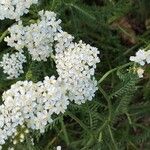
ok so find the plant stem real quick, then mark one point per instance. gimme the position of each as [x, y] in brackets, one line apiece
[79, 122]
[108, 101]
[81, 10]
[53, 140]
[112, 70]
[3, 35]
[64, 131]
[112, 138]
[129, 119]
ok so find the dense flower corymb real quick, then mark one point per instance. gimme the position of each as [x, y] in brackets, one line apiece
[13, 64]
[38, 38]
[13, 9]
[76, 63]
[32, 104]
[142, 57]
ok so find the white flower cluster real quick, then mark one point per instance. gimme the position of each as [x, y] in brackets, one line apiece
[13, 64]
[58, 148]
[13, 9]
[76, 63]
[17, 36]
[32, 104]
[142, 57]
[38, 38]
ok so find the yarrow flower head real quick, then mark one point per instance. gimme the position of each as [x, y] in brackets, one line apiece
[142, 57]
[14, 9]
[13, 64]
[76, 64]
[38, 38]
[32, 104]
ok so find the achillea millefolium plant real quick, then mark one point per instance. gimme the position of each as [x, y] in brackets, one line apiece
[74, 75]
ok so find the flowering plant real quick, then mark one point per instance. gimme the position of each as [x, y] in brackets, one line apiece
[51, 74]
[33, 104]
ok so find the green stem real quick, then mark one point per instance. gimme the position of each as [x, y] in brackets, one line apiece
[147, 47]
[3, 35]
[112, 70]
[81, 10]
[129, 119]
[79, 122]
[103, 126]
[141, 126]
[106, 123]
[53, 140]
[112, 138]
[132, 144]
[108, 101]
[64, 131]
[125, 32]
